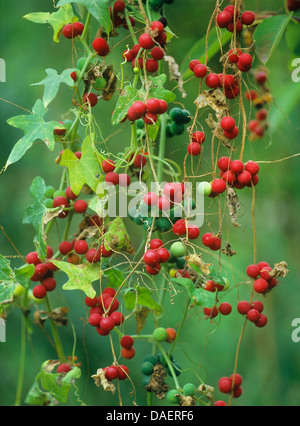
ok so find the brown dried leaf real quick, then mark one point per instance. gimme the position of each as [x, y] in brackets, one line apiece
[228, 251]
[175, 74]
[100, 380]
[141, 314]
[157, 382]
[233, 206]
[216, 100]
[280, 270]
[196, 260]
[186, 401]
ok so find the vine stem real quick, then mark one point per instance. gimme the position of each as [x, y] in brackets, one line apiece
[22, 353]
[181, 326]
[169, 365]
[56, 337]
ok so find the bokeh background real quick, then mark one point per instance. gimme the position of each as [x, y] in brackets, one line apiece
[269, 359]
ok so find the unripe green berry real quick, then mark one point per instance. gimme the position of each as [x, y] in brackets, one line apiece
[160, 334]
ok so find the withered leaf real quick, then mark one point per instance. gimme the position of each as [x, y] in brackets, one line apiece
[175, 74]
[100, 380]
[141, 314]
[280, 270]
[157, 382]
[233, 206]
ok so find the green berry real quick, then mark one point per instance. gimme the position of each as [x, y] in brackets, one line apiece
[50, 190]
[100, 84]
[172, 396]
[186, 116]
[147, 368]
[169, 133]
[164, 224]
[176, 115]
[49, 203]
[146, 380]
[151, 358]
[180, 263]
[81, 62]
[160, 334]
[189, 389]
[59, 193]
[204, 188]
[177, 128]
[178, 249]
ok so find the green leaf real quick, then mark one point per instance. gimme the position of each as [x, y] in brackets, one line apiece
[128, 97]
[198, 296]
[7, 285]
[268, 35]
[158, 91]
[140, 297]
[117, 237]
[34, 215]
[52, 83]
[85, 170]
[23, 275]
[217, 278]
[36, 396]
[292, 38]
[80, 277]
[98, 8]
[34, 128]
[58, 385]
[57, 20]
[198, 51]
[115, 277]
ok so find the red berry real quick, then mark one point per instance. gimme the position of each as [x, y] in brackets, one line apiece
[262, 265]
[119, 6]
[243, 307]
[93, 256]
[163, 106]
[151, 199]
[104, 252]
[118, 318]
[127, 342]
[225, 385]
[156, 244]
[111, 373]
[110, 291]
[193, 64]
[152, 65]
[224, 163]
[94, 320]
[111, 304]
[65, 247]
[248, 18]
[225, 309]
[91, 99]
[224, 19]
[228, 123]
[112, 178]
[245, 178]
[259, 306]
[107, 324]
[238, 27]
[81, 247]
[124, 180]
[39, 292]
[80, 206]
[236, 380]
[40, 272]
[229, 177]
[91, 303]
[157, 27]
[146, 41]
[236, 166]
[245, 60]
[49, 284]
[212, 81]
[253, 271]
[252, 167]
[100, 46]
[231, 134]
[70, 31]
[63, 368]
[198, 137]
[150, 118]
[123, 372]
[151, 258]
[262, 321]
[138, 109]
[193, 232]
[220, 404]
[218, 186]
[200, 71]
[60, 201]
[253, 315]
[153, 270]
[237, 392]
[261, 286]
[157, 53]
[128, 353]
[153, 105]
[194, 149]
[261, 77]
[32, 258]
[211, 312]
[140, 161]
[70, 194]
[164, 255]
[208, 240]
[108, 166]
[179, 228]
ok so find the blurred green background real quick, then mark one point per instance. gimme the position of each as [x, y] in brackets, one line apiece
[269, 360]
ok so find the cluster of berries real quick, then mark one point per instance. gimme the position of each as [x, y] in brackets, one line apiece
[224, 309]
[182, 228]
[115, 372]
[178, 118]
[211, 241]
[71, 31]
[229, 127]
[128, 351]
[264, 282]
[253, 311]
[113, 178]
[243, 61]
[258, 126]
[155, 256]
[117, 15]
[231, 19]
[231, 385]
[104, 314]
[195, 146]
[81, 248]
[148, 111]
[235, 173]
[43, 273]
[63, 199]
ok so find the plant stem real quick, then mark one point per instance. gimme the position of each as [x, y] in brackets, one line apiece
[55, 334]
[181, 326]
[167, 359]
[162, 146]
[22, 352]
